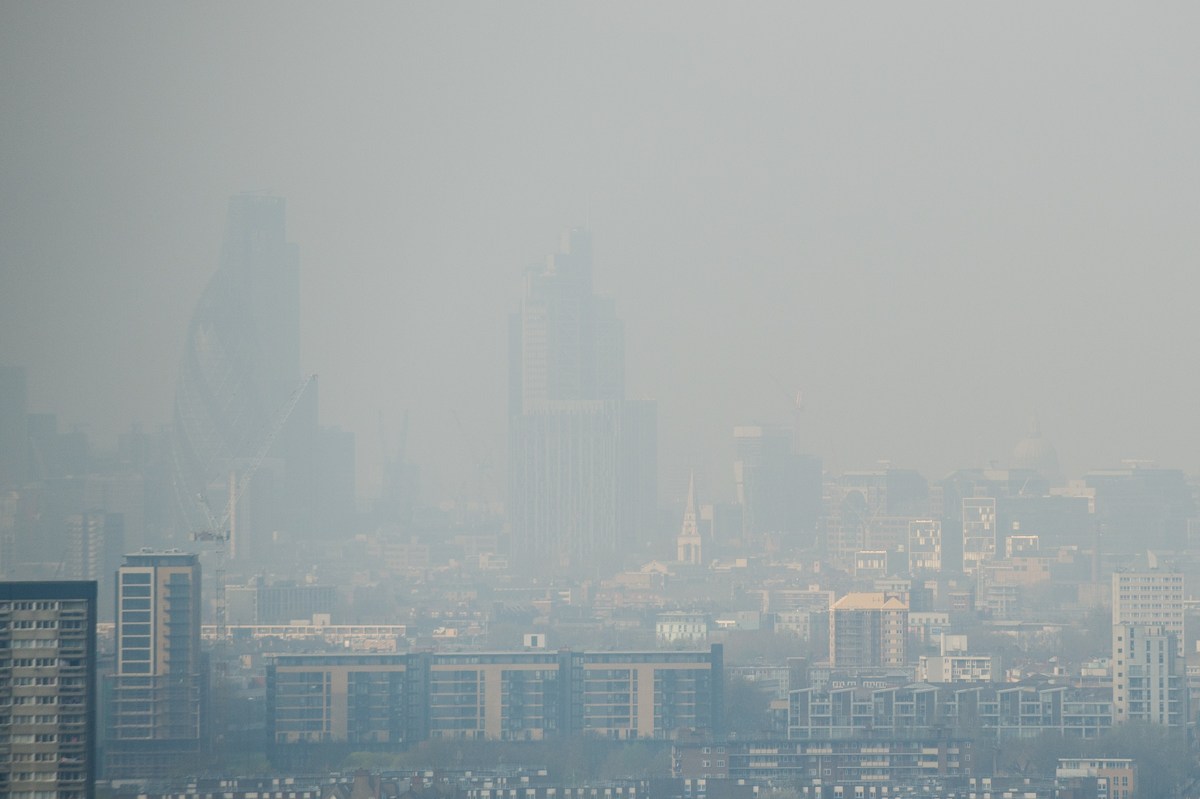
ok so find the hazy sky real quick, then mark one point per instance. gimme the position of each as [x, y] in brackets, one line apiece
[935, 219]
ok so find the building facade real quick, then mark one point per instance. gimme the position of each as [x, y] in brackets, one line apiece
[155, 722]
[924, 546]
[1150, 598]
[958, 668]
[384, 701]
[882, 760]
[1149, 677]
[978, 532]
[1111, 777]
[778, 489]
[95, 543]
[47, 690]
[582, 459]
[868, 629]
[1005, 711]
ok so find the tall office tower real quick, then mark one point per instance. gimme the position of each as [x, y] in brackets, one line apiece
[778, 489]
[1153, 599]
[868, 629]
[95, 541]
[979, 532]
[582, 458]
[1149, 676]
[155, 723]
[47, 690]
[241, 366]
[688, 544]
[14, 427]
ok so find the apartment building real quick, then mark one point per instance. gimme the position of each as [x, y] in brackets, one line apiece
[385, 700]
[881, 760]
[1149, 677]
[1112, 778]
[155, 722]
[1010, 711]
[47, 689]
[868, 629]
[1150, 598]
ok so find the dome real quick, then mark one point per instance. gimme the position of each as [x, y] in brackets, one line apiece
[1035, 452]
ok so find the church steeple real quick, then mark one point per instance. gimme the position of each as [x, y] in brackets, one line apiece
[688, 543]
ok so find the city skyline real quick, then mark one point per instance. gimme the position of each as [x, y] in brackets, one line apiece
[566, 401]
[813, 239]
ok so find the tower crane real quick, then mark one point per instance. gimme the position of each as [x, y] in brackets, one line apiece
[223, 531]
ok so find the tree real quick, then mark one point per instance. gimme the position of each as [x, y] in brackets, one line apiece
[747, 707]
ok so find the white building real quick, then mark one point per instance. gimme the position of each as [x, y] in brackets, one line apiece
[979, 532]
[871, 563]
[955, 665]
[1149, 678]
[924, 545]
[679, 627]
[1115, 777]
[1153, 598]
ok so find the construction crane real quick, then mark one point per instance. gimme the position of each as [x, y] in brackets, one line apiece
[223, 531]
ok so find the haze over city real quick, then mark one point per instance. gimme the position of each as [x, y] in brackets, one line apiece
[934, 222]
[599, 401]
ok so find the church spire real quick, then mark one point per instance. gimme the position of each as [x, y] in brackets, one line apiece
[688, 543]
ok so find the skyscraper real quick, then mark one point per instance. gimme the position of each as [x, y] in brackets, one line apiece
[582, 458]
[155, 723]
[47, 690]
[14, 427]
[241, 364]
[778, 489]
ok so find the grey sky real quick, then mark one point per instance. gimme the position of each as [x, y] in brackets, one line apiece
[935, 219]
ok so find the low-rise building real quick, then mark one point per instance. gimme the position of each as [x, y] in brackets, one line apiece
[958, 668]
[386, 701]
[1007, 711]
[678, 627]
[880, 760]
[1111, 778]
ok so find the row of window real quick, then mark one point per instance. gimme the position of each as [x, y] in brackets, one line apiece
[35, 700]
[30, 643]
[46, 681]
[33, 624]
[30, 757]
[41, 718]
